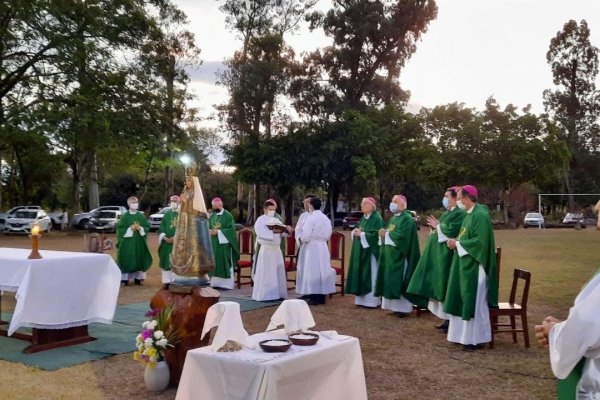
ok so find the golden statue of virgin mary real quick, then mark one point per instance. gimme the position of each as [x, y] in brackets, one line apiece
[192, 251]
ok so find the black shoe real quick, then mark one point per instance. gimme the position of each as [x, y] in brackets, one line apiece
[124, 283]
[165, 286]
[402, 314]
[473, 347]
[138, 282]
[443, 325]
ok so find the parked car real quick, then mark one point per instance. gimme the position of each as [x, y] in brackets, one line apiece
[12, 211]
[534, 219]
[104, 221]
[80, 221]
[351, 220]
[20, 221]
[573, 218]
[156, 219]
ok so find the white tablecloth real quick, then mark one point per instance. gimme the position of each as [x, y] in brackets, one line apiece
[331, 369]
[61, 290]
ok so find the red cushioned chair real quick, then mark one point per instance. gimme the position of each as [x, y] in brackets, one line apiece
[337, 252]
[290, 259]
[246, 243]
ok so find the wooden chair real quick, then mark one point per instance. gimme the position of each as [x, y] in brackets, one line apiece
[498, 260]
[512, 310]
[246, 243]
[337, 253]
[290, 259]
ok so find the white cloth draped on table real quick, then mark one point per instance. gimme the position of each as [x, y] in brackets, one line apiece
[226, 315]
[61, 290]
[314, 274]
[294, 315]
[268, 272]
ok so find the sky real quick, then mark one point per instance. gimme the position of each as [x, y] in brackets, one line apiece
[474, 49]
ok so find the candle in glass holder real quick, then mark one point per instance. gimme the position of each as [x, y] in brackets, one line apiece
[35, 229]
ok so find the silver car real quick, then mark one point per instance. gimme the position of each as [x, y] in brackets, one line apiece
[20, 221]
[534, 219]
[81, 221]
[156, 219]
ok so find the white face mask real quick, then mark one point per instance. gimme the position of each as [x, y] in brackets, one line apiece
[134, 206]
[174, 205]
[460, 204]
[271, 213]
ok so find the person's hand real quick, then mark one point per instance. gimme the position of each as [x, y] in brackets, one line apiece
[357, 232]
[169, 240]
[213, 232]
[289, 229]
[542, 331]
[382, 232]
[432, 222]
[451, 244]
[135, 227]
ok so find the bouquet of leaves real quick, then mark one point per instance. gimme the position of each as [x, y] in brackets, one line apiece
[157, 335]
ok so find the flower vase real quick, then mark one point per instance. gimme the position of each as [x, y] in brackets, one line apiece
[157, 378]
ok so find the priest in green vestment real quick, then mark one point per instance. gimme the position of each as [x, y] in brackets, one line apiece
[133, 256]
[473, 281]
[398, 256]
[166, 234]
[430, 279]
[362, 272]
[224, 244]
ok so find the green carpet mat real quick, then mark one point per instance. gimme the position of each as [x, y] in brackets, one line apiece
[114, 339]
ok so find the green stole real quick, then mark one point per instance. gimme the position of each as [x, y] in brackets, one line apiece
[226, 255]
[392, 280]
[358, 281]
[430, 278]
[168, 226]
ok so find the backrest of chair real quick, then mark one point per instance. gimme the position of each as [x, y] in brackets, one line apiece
[246, 241]
[290, 246]
[526, 277]
[337, 246]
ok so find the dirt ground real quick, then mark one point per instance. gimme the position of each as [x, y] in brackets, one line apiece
[403, 358]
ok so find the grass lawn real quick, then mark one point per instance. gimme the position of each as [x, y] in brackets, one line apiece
[403, 358]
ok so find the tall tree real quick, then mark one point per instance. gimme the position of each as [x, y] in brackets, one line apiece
[575, 103]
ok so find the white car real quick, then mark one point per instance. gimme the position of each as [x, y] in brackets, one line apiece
[20, 221]
[573, 218]
[534, 219]
[156, 219]
[10, 213]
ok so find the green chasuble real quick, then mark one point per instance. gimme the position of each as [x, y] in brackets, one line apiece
[431, 274]
[358, 281]
[477, 238]
[132, 252]
[167, 226]
[392, 279]
[228, 254]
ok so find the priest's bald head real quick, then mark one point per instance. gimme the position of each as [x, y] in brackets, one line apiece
[368, 205]
[400, 201]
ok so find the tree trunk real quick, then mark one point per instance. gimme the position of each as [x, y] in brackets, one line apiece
[239, 199]
[289, 208]
[94, 195]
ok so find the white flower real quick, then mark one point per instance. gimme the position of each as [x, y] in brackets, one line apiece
[152, 324]
[158, 334]
[145, 324]
[139, 338]
[148, 343]
[162, 342]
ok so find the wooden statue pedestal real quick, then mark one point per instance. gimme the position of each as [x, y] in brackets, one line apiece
[190, 304]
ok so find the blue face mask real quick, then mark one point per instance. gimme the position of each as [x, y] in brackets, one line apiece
[445, 202]
[394, 208]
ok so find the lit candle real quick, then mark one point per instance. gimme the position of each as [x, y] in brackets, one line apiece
[35, 236]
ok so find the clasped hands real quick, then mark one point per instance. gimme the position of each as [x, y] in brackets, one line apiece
[542, 331]
[135, 227]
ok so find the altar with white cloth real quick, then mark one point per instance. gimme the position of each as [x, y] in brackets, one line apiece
[58, 295]
[331, 369]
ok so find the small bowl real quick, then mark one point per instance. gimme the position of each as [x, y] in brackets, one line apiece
[304, 338]
[269, 347]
